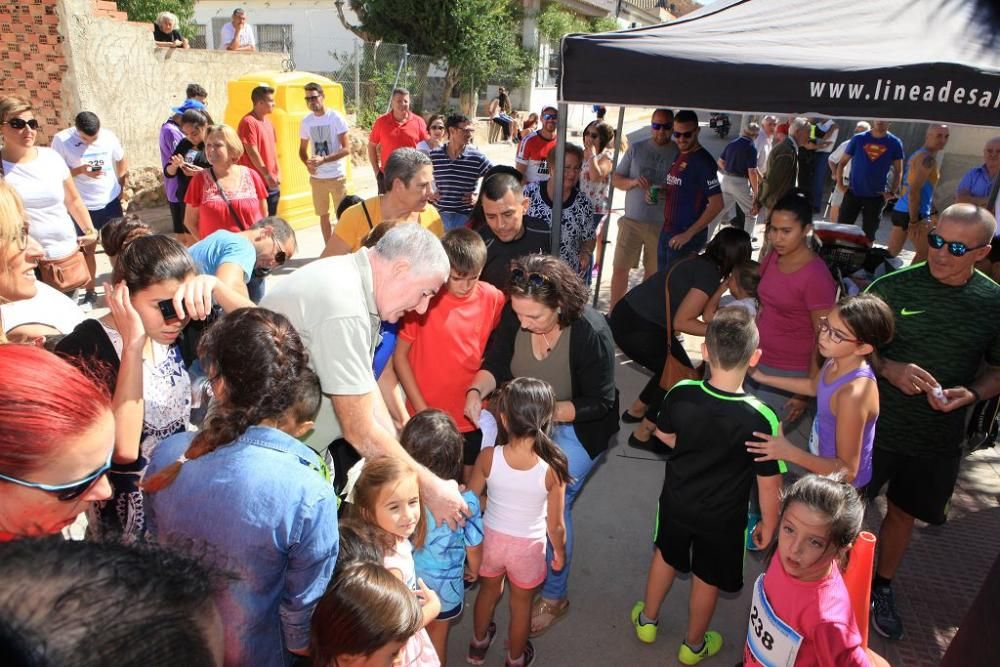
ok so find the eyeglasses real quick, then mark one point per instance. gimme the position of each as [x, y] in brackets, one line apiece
[836, 336]
[69, 491]
[956, 248]
[437, 127]
[657, 127]
[310, 98]
[593, 135]
[279, 255]
[22, 238]
[684, 135]
[20, 123]
[550, 116]
[527, 281]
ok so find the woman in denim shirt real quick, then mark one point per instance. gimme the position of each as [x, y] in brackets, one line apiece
[250, 495]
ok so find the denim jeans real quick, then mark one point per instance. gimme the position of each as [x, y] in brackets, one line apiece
[580, 467]
[665, 255]
[453, 220]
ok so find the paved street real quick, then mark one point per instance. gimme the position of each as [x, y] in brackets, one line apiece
[614, 521]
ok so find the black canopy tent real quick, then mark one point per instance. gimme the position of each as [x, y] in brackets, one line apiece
[920, 60]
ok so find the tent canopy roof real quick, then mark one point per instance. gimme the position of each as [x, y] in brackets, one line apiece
[931, 60]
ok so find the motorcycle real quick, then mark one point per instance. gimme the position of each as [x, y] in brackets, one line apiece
[720, 123]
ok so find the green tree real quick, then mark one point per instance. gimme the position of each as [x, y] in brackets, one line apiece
[478, 38]
[147, 10]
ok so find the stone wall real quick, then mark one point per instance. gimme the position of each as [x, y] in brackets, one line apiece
[113, 69]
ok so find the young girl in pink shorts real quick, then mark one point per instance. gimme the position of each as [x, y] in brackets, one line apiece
[525, 478]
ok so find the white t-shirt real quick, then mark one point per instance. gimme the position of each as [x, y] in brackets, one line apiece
[41, 186]
[323, 133]
[763, 146]
[246, 35]
[49, 307]
[836, 156]
[104, 152]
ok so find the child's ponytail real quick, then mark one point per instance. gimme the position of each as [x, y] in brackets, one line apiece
[527, 406]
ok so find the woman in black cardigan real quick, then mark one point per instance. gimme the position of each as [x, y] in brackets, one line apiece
[548, 331]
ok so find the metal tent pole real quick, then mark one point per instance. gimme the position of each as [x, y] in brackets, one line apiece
[557, 201]
[603, 241]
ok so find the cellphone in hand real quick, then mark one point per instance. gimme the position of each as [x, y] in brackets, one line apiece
[96, 167]
[168, 311]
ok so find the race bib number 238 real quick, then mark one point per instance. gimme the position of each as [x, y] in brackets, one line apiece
[770, 641]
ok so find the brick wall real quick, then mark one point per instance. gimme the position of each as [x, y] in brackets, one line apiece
[34, 61]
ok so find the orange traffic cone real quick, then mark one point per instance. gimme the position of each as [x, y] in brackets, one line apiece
[858, 579]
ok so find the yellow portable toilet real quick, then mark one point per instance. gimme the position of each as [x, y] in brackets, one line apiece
[295, 205]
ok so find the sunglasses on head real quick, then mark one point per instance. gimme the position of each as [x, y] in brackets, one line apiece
[69, 491]
[20, 123]
[956, 248]
[661, 126]
[550, 116]
[684, 135]
[521, 278]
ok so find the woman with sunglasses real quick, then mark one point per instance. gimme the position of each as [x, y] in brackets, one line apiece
[598, 153]
[438, 135]
[44, 183]
[155, 293]
[796, 292]
[578, 236]
[548, 331]
[19, 252]
[55, 445]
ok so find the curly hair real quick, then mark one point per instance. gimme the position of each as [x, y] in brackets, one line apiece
[561, 289]
[262, 362]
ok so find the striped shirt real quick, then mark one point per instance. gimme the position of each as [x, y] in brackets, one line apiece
[456, 178]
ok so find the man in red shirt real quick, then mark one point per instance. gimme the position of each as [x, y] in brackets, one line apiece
[396, 129]
[260, 151]
[534, 148]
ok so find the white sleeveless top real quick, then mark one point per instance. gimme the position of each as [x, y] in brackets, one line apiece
[518, 499]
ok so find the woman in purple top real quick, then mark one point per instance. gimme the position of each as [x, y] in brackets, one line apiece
[846, 393]
[796, 291]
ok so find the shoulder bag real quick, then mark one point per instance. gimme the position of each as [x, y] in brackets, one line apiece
[674, 370]
[222, 193]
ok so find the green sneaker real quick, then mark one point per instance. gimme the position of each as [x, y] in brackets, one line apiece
[646, 633]
[713, 644]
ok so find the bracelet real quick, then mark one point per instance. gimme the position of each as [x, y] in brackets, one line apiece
[475, 389]
[975, 394]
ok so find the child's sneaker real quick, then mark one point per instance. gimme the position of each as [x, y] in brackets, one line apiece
[753, 518]
[713, 644]
[527, 658]
[646, 632]
[478, 649]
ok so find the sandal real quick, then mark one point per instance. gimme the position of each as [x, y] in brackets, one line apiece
[545, 614]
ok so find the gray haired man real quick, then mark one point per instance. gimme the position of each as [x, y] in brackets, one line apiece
[337, 304]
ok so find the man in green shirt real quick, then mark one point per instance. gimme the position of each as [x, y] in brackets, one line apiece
[946, 330]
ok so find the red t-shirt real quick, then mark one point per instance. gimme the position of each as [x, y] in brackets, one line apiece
[214, 213]
[447, 345]
[821, 612]
[390, 134]
[259, 133]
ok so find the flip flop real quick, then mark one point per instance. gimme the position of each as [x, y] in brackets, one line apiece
[545, 614]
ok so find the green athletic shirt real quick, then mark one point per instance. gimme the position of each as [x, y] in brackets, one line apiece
[709, 472]
[948, 331]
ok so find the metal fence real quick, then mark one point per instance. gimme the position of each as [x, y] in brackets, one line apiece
[369, 71]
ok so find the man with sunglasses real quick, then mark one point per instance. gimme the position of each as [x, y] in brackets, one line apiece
[691, 195]
[947, 333]
[324, 134]
[235, 258]
[643, 165]
[531, 154]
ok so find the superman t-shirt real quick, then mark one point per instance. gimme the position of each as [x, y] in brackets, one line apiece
[871, 159]
[692, 179]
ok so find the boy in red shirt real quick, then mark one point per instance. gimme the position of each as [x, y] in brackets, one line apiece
[438, 353]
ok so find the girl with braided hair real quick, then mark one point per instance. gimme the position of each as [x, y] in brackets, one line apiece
[250, 492]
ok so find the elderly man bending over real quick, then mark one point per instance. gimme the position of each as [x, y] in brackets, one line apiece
[336, 304]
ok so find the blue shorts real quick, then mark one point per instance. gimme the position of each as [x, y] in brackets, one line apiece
[454, 612]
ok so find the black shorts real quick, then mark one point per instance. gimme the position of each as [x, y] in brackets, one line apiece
[921, 487]
[715, 558]
[473, 442]
[900, 219]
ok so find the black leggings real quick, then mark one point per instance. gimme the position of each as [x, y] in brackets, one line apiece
[177, 209]
[645, 343]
